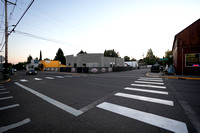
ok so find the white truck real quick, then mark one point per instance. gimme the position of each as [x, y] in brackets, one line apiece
[133, 64]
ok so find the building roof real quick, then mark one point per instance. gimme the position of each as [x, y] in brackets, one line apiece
[197, 21]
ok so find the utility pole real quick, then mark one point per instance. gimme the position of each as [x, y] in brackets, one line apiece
[6, 36]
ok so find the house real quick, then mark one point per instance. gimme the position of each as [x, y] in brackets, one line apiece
[33, 65]
[186, 50]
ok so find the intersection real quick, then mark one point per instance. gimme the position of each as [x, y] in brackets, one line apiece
[112, 102]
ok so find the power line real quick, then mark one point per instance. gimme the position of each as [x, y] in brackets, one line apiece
[11, 14]
[40, 37]
[22, 16]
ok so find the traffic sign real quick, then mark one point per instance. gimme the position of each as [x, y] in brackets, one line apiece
[163, 59]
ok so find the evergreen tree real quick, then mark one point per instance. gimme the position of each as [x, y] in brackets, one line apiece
[40, 55]
[60, 56]
[29, 59]
[82, 52]
[150, 58]
[111, 53]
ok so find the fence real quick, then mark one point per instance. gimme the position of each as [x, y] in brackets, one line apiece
[94, 69]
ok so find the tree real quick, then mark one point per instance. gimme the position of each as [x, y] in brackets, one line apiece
[111, 53]
[40, 55]
[29, 59]
[82, 52]
[60, 56]
[126, 58]
[133, 59]
[46, 59]
[168, 55]
[150, 58]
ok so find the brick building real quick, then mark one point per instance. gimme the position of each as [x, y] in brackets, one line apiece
[186, 50]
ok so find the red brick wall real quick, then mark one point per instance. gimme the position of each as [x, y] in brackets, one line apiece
[188, 41]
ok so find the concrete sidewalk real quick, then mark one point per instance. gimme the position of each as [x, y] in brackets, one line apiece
[161, 75]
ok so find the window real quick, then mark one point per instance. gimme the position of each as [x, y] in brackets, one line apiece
[192, 60]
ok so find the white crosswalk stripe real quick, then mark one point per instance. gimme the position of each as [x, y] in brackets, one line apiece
[145, 90]
[156, 80]
[38, 79]
[152, 86]
[61, 77]
[49, 77]
[23, 80]
[149, 82]
[147, 99]
[152, 119]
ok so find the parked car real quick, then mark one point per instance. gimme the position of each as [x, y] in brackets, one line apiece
[31, 72]
[14, 70]
[155, 68]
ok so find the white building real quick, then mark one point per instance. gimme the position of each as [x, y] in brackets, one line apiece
[93, 60]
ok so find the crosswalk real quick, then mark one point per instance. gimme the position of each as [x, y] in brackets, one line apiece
[5, 96]
[154, 86]
[52, 78]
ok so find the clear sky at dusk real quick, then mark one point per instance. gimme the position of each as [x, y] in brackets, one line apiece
[130, 27]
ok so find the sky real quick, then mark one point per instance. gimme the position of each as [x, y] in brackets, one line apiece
[130, 27]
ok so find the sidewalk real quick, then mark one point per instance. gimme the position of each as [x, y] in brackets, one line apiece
[161, 75]
[4, 81]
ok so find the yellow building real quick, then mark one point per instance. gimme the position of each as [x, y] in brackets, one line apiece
[51, 65]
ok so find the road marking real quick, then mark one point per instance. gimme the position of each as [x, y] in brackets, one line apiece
[149, 82]
[152, 119]
[156, 80]
[49, 77]
[38, 79]
[23, 80]
[52, 101]
[191, 115]
[147, 99]
[149, 78]
[68, 76]
[4, 98]
[8, 107]
[152, 86]
[2, 89]
[145, 90]
[6, 128]
[61, 77]
[4, 92]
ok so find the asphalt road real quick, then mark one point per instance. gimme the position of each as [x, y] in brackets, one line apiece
[122, 102]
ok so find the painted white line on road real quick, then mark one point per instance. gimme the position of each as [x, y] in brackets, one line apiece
[23, 80]
[4, 92]
[150, 78]
[149, 82]
[145, 90]
[67, 76]
[38, 79]
[6, 128]
[147, 99]
[4, 98]
[49, 77]
[52, 101]
[2, 89]
[152, 119]
[60, 77]
[152, 86]
[156, 80]
[8, 107]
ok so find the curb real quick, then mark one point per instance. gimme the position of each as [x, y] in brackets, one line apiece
[169, 77]
[5, 81]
